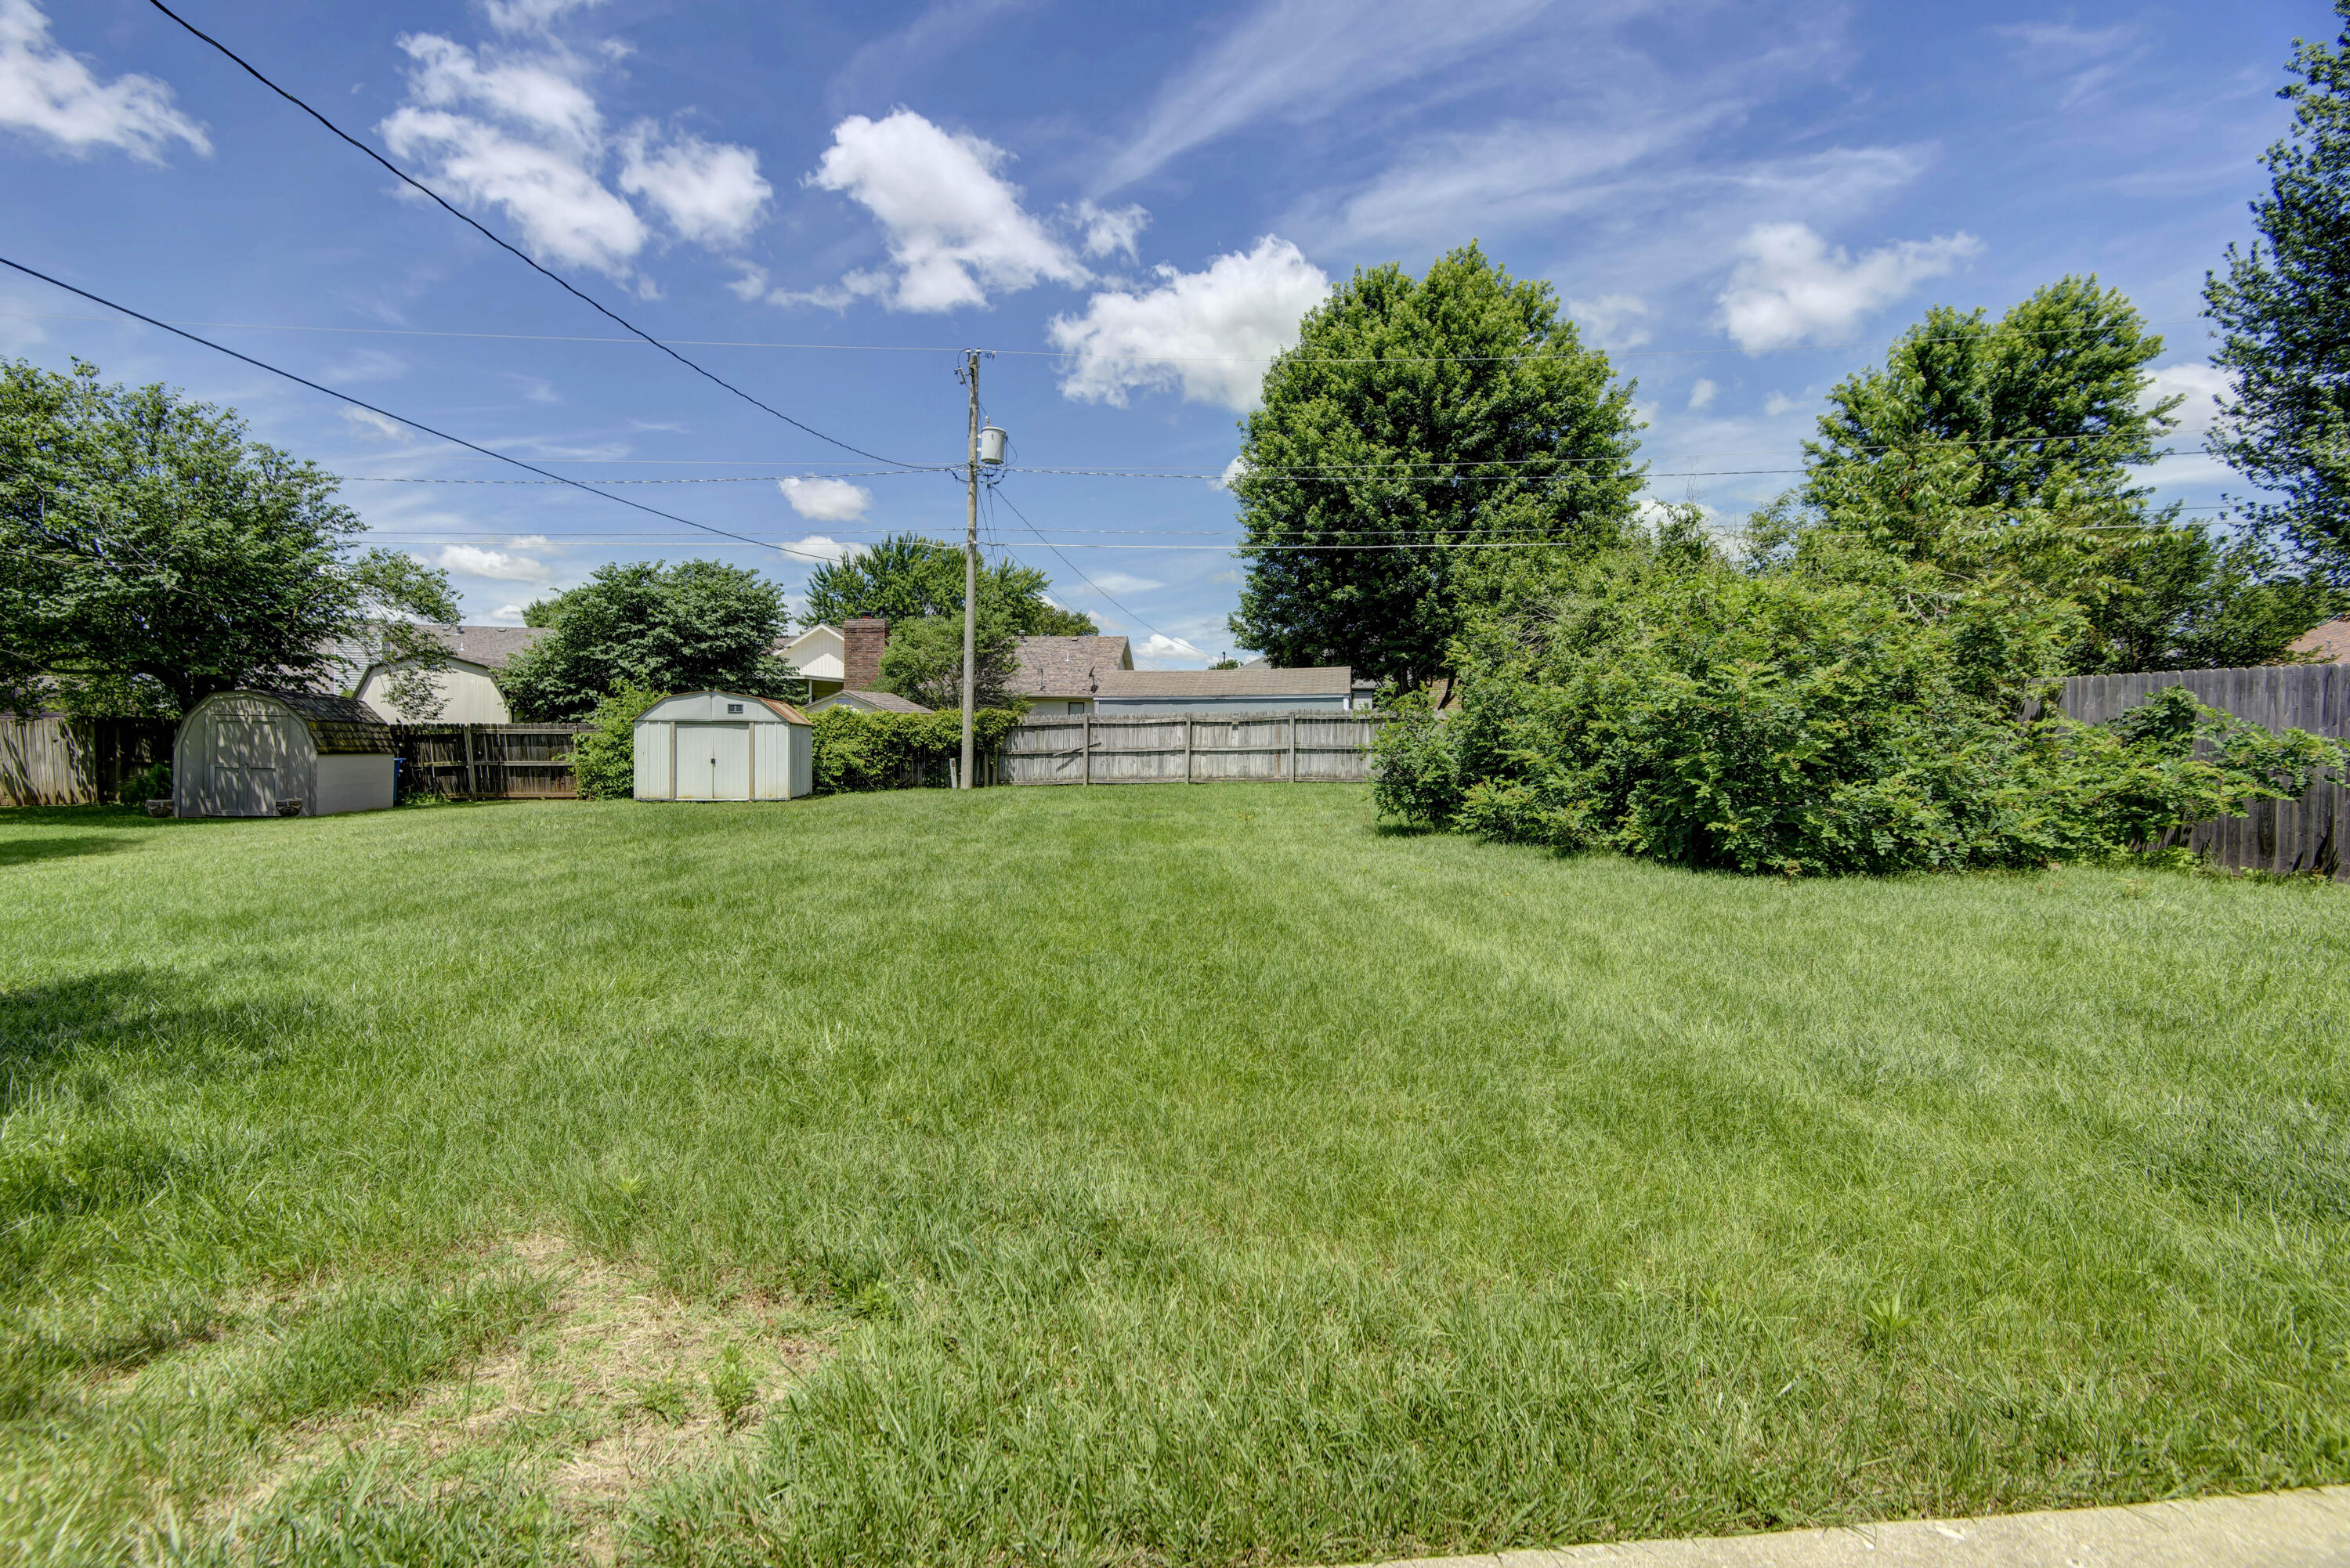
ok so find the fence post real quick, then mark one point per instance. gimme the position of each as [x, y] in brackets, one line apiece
[1088, 745]
[472, 773]
[1293, 748]
[1189, 723]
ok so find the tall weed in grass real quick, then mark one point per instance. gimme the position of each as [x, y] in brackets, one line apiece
[1206, 1177]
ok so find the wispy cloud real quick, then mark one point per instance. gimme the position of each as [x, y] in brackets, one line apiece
[51, 94]
[1300, 59]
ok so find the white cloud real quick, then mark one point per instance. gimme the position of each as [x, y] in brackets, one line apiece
[505, 615]
[1210, 333]
[826, 500]
[2200, 383]
[1779, 403]
[1701, 395]
[956, 228]
[1613, 319]
[825, 548]
[1299, 59]
[710, 194]
[373, 426]
[1109, 231]
[473, 561]
[1124, 582]
[48, 92]
[518, 128]
[529, 541]
[1790, 286]
[531, 16]
[1232, 471]
[1159, 646]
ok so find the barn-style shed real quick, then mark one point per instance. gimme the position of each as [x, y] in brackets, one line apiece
[723, 745]
[281, 754]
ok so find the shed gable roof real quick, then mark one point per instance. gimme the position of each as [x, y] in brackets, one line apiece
[339, 726]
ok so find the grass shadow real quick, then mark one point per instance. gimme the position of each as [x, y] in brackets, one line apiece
[1401, 829]
[30, 851]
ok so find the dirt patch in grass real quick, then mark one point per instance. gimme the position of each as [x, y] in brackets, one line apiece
[620, 1385]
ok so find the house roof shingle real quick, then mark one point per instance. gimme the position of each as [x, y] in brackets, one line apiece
[1067, 665]
[339, 726]
[1271, 685]
[2330, 642]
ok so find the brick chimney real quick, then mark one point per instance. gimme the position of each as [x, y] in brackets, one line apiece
[861, 642]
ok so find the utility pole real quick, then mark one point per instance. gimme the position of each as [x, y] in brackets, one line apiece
[971, 570]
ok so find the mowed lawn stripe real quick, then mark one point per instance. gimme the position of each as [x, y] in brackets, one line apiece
[1198, 1176]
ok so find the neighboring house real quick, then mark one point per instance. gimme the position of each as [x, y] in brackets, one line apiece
[816, 653]
[1063, 675]
[1135, 692]
[868, 703]
[2330, 642]
[468, 686]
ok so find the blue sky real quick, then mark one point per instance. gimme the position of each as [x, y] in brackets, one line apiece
[1131, 203]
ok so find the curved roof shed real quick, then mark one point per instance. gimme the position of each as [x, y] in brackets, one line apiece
[723, 745]
[281, 754]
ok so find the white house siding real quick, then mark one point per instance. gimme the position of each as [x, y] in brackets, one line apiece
[468, 693]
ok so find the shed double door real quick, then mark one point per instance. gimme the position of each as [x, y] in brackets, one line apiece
[246, 755]
[714, 762]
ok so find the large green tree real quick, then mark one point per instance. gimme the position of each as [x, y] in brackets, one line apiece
[151, 555]
[698, 624]
[2283, 310]
[906, 576]
[1419, 415]
[2010, 448]
[923, 662]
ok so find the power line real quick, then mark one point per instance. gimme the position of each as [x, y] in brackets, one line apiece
[402, 419]
[1096, 588]
[405, 178]
[1635, 353]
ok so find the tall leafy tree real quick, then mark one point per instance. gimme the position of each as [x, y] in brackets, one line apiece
[2283, 308]
[923, 662]
[1420, 414]
[151, 554]
[670, 628]
[2007, 449]
[906, 576]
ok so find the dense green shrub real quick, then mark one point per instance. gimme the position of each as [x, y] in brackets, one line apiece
[152, 782]
[604, 758]
[1796, 722]
[855, 750]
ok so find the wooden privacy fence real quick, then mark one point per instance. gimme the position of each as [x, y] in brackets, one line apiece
[489, 762]
[1307, 746]
[51, 760]
[2302, 836]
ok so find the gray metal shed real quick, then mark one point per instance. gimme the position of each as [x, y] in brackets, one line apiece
[281, 754]
[723, 745]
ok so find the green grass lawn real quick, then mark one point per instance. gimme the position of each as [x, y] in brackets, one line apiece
[1142, 1175]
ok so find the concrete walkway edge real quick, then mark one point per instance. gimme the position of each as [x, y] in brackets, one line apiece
[2271, 1529]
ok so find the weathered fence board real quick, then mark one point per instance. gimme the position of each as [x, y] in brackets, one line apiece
[2305, 834]
[489, 762]
[51, 760]
[1307, 746]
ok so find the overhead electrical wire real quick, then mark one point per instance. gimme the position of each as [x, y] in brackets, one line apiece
[402, 419]
[997, 494]
[405, 178]
[1634, 353]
